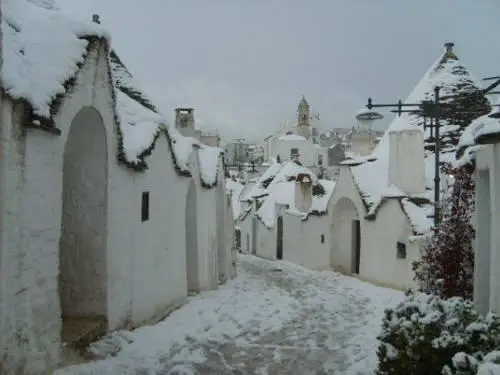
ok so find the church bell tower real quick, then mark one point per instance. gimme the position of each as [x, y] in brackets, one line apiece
[303, 117]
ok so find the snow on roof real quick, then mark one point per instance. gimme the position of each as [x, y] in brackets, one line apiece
[468, 137]
[209, 159]
[281, 190]
[291, 137]
[234, 190]
[38, 36]
[466, 147]
[417, 215]
[182, 149]
[140, 122]
[139, 126]
[259, 188]
[372, 176]
[320, 202]
[490, 128]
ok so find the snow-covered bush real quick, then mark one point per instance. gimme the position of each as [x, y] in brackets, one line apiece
[423, 333]
[465, 364]
[446, 266]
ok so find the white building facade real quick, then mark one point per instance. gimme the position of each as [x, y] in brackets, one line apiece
[383, 203]
[483, 144]
[284, 216]
[109, 216]
[300, 140]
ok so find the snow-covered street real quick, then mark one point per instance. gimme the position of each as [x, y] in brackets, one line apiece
[274, 318]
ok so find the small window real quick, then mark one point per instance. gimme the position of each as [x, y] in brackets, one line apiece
[294, 152]
[322, 238]
[145, 206]
[401, 250]
[320, 159]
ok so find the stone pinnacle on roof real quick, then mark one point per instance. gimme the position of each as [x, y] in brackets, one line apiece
[303, 104]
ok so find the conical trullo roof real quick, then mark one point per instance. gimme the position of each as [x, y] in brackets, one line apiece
[458, 88]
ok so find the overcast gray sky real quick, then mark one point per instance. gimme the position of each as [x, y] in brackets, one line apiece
[244, 64]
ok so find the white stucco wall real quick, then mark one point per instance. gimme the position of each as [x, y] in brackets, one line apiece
[302, 240]
[245, 226]
[323, 152]
[207, 235]
[19, 331]
[306, 150]
[379, 262]
[223, 248]
[157, 250]
[31, 254]
[230, 239]
[143, 263]
[191, 238]
[344, 206]
[487, 244]
[266, 241]
[378, 253]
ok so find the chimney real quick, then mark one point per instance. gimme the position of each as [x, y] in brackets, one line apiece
[303, 192]
[407, 160]
[96, 19]
[184, 121]
[449, 47]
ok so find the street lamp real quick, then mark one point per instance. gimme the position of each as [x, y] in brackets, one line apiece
[366, 117]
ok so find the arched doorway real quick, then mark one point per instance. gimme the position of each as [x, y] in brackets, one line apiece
[346, 237]
[219, 222]
[84, 223]
[192, 261]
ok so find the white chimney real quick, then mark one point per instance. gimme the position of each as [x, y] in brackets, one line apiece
[184, 121]
[407, 160]
[303, 192]
[449, 47]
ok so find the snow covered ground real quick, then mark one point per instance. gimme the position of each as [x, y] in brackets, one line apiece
[274, 318]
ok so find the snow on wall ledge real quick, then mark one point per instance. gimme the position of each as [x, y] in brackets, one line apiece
[37, 34]
[209, 159]
[139, 126]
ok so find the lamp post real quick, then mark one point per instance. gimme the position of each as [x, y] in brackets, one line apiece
[425, 107]
[367, 117]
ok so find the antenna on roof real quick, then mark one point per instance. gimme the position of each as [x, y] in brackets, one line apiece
[96, 18]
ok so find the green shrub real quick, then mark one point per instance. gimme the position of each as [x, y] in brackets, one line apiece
[465, 364]
[423, 333]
